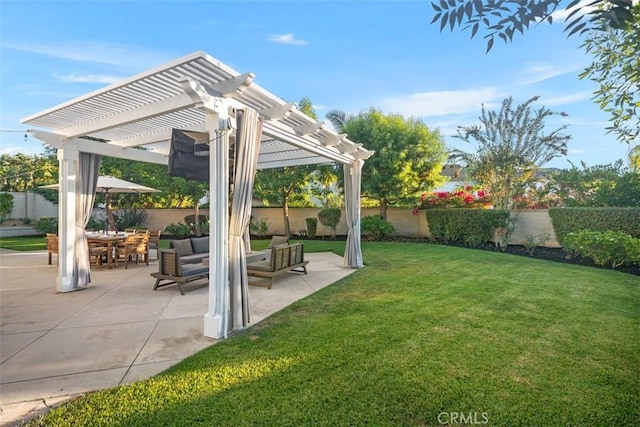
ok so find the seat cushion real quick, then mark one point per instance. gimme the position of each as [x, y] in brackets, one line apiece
[194, 269]
[260, 265]
[182, 247]
[193, 258]
[200, 244]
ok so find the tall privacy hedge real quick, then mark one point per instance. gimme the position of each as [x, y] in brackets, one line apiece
[567, 220]
[472, 227]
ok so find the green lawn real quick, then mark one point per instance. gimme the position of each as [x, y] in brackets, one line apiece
[422, 332]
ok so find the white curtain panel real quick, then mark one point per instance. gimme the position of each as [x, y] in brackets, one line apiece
[247, 143]
[352, 181]
[88, 168]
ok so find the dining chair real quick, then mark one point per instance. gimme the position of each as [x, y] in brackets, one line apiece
[52, 246]
[98, 253]
[135, 245]
[154, 240]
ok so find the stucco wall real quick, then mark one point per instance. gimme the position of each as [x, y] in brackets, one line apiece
[407, 224]
[32, 205]
[534, 223]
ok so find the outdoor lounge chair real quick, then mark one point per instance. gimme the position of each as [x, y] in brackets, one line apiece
[172, 271]
[283, 258]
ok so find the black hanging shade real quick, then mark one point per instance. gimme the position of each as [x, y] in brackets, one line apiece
[189, 155]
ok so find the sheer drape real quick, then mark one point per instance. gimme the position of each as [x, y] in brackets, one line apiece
[88, 168]
[352, 179]
[247, 148]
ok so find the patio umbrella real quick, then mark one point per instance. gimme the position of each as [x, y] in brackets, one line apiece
[108, 184]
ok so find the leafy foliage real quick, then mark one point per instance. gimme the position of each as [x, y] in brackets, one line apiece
[97, 224]
[605, 248]
[178, 231]
[130, 218]
[462, 197]
[46, 224]
[568, 220]
[471, 227]
[21, 172]
[504, 18]
[6, 205]
[610, 185]
[312, 227]
[289, 186]
[330, 217]
[510, 148]
[373, 227]
[408, 159]
[616, 69]
[259, 226]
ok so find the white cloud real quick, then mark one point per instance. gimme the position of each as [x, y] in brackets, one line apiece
[126, 57]
[562, 14]
[87, 78]
[566, 99]
[287, 39]
[535, 73]
[441, 103]
[575, 151]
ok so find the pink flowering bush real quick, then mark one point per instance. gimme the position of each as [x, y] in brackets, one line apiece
[462, 197]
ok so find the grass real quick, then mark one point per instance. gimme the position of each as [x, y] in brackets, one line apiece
[423, 330]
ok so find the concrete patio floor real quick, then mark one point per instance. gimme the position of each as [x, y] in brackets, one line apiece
[119, 330]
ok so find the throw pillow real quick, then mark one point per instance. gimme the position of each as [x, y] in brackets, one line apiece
[182, 247]
[200, 244]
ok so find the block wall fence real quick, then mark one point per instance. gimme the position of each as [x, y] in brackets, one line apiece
[528, 222]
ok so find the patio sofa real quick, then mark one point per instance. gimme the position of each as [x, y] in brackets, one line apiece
[192, 250]
[171, 270]
[283, 258]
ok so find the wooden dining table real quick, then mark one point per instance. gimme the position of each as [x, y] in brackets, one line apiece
[110, 241]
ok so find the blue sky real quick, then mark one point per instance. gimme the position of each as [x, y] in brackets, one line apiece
[346, 55]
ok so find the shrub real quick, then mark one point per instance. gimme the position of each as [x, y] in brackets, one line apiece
[375, 228]
[531, 242]
[191, 219]
[46, 224]
[471, 227]
[259, 226]
[6, 206]
[130, 218]
[568, 220]
[178, 231]
[312, 226]
[330, 217]
[605, 248]
[97, 224]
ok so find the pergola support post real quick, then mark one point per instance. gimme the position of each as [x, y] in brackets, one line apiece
[216, 320]
[68, 165]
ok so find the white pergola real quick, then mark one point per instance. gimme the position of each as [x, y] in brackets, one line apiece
[134, 118]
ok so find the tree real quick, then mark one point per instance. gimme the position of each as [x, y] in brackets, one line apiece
[510, 148]
[616, 69]
[504, 18]
[288, 186]
[21, 172]
[610, 185]
[293, 185]
[614, 41]
[408, 159]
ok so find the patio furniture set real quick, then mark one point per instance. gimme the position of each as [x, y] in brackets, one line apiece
[106, 249]
[187, 260]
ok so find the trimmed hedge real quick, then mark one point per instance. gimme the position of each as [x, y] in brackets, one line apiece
[473, 227]
[569, 220]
